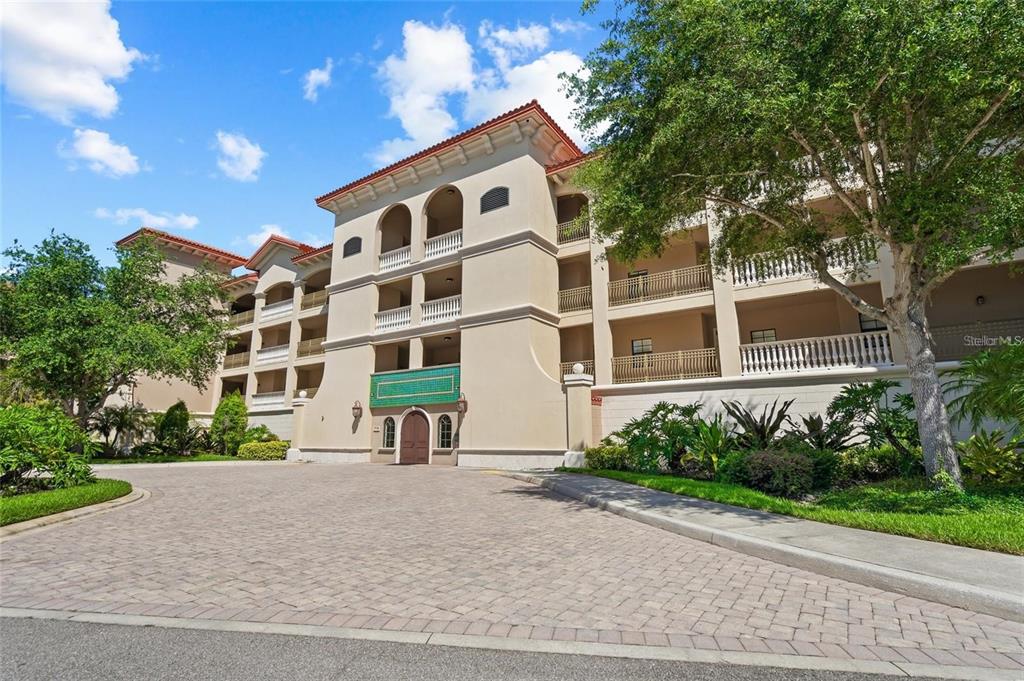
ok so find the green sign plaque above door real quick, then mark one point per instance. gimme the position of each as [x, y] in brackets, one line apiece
[433, 385]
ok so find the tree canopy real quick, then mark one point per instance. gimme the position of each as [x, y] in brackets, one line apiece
[76, 331]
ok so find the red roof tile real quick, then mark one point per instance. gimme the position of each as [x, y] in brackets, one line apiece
[277, 239]
[234, 259]
[248, 276]
[312, 254]
[556, 167]
[452, 141]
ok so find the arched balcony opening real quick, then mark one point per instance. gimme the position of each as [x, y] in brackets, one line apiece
[443, 217]
[573, 223]
[395, 238]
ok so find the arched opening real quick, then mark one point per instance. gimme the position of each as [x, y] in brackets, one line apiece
[415, 439]
[444, 212]
[444, 432]
[395, 229]
[573, 224]
[318, 281]
[278, 294]
[243, 303]
[388, 437]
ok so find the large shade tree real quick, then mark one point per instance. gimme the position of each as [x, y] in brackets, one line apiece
[909, 114]
[75, 331]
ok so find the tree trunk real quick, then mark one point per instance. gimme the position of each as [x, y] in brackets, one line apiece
[932, 420]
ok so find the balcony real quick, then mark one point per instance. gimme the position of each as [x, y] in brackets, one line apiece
[442, 309]
[566, 367]
[274, 353]
[310, 392]
[846, 253]
[571, 231]
[391, 320]
[268, 400]
[311, 347]
[443, 244]
[392, 260]
[659, 285]
[236, 360]
[276, 310]
[665, 366]
[315, 299]
[852, 350]
[956, 341]
[240, 318]
[575, 299]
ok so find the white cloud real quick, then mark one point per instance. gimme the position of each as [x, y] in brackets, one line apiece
[163, 220]
[508, 45]
[316, 79]
[239, 158]
[436, 62]
[569, 26]
[257, 238]
[59, 57]
[101, 153]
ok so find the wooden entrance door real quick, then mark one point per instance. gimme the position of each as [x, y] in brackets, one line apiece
[415, 446]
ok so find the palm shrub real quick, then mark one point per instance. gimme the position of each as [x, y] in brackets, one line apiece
[711, 440]
[38, 439]
[228, 429]
[759, 432]
[879, 418]
[994, 458]
[130, 421]
[658, 438]
[103, 424]
[989, 384]
[824, 435]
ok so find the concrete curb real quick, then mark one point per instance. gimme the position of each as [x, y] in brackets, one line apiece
[643, 652]
[26, 526]
[187, 464]
[969, 597]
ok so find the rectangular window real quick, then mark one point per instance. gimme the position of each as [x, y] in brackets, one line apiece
[870, 324]
[642, 346]
[763, 336]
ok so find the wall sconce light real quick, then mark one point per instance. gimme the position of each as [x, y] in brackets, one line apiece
[461, 405]
[980, 300]
[357, 410]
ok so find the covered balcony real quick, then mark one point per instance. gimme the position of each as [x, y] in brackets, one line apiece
[680, 270]
[394, 309]
[395, 238]
[577, 346]
[314, 333]
[667, 347]
[442, 293]
[814, 331]
[270, 392]
[274, 344]
[238, 351]
[308, 379]
[574, 292]
[442, 350]
[444, 223]
[314, 293]
[391, 356]
[278, 303]
[573, 219]
[242, 310]
[233, 384]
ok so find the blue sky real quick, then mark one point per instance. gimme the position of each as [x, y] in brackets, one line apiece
[222, 121]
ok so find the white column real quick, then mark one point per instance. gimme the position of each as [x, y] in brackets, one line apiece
[726, 318]
[579, 417]
[887, 279]
[298, 422]
[294, 334]
[599, 299]
[255, 344]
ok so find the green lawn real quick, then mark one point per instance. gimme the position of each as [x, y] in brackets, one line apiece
[160, 458]
[981, 519]
[19, 507]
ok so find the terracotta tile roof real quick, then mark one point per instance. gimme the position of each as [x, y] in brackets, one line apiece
[312, 254]
[277, 239]
[233, 259]
[248, 276]
[556, 167]
[452, 141]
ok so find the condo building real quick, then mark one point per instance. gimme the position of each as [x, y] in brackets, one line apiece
[464, 314]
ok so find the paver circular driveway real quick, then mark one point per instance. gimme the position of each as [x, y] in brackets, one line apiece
[434, 549]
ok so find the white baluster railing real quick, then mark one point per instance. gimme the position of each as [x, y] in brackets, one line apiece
[575, 299]
[274, 353]
[274, 399]
[844, 253]
[441, 309]
[444, 244]
[391, 260]
[815, 354]
[397, 318]
[274, 310]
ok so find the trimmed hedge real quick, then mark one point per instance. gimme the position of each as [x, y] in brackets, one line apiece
[264, 451]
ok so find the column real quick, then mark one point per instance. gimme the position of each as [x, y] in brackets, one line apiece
[579, 417]
[726, 318]
[294, 335]
[602, 329]
[255, 345]
[419, 285]
[298, 418]
[887, 279]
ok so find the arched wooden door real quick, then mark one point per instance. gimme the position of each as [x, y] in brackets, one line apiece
[415, 444]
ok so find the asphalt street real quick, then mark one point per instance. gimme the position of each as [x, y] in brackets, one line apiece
[54, 650]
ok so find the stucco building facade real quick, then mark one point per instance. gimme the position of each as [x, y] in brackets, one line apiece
[445, 321]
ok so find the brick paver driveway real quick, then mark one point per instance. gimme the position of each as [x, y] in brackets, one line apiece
[428, 549]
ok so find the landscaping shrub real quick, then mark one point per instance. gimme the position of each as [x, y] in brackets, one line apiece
[873, 464]
[733, 467]
[263, 451]
[823, 435]
[260, 433]
[989, 384]
[759, 432]
[172, 430]
[992, 458]
[657, 439]
[879, 419]
[227, 430]
[780, 473]
[41, 439]
[607, 457]
[710, 441]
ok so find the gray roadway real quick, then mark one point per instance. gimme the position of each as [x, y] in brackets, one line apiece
[51, 650]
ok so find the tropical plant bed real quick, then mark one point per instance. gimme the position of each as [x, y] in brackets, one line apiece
[986, 519]
[20, 507]
[163, 458]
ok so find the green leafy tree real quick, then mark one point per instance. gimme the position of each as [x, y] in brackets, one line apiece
[76, 331]
[230, 420]
[910, 114]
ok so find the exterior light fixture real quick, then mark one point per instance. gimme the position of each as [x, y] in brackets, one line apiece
[462, 405]
[450, 191]
[447, 339]
[980, 300]
[357, 410]
[449, 280]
